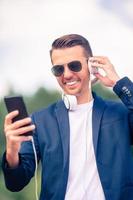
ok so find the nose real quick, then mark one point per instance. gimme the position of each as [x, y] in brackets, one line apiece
[67, 72]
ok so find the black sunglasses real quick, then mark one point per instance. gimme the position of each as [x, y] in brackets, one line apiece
[74, 66]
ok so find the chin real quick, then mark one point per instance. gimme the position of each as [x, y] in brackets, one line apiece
[73, 92]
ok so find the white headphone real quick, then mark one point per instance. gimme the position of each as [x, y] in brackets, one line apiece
[70, 101]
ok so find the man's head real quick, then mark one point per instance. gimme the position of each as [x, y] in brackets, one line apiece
[71, 40]
[69, 56]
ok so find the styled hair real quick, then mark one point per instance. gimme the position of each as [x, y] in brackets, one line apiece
[71, 40]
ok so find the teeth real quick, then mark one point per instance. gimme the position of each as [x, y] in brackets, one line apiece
[71, 83]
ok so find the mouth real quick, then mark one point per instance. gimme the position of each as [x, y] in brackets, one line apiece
[71, 83]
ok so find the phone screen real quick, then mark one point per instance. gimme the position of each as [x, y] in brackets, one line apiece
[92, 71]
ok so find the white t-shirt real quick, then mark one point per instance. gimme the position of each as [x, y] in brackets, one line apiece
[83, 179]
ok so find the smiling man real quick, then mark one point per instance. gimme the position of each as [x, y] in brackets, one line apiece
[84, 146]
[73, 83]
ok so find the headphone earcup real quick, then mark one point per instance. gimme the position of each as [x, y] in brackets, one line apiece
[70, 101]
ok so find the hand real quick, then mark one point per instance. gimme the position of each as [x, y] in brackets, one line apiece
[14, 138]
[111, 77]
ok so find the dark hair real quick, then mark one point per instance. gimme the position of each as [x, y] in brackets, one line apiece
[71, 40]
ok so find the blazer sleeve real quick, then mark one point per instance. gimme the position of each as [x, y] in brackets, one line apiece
[124, 90]
[17, 178]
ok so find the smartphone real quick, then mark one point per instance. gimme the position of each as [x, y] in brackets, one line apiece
[17, 103]
[92, 70]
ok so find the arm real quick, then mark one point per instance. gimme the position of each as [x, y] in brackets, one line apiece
[18, 169]
[122, 87]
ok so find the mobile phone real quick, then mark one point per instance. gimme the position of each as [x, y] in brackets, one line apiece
[17, 103]
[92, 70]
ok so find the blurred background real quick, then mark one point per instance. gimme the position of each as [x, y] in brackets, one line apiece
[27, 29]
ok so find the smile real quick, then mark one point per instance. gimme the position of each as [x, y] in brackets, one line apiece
[71, 83]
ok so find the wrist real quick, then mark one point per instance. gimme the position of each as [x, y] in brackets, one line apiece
[115, 81]
[12, 159]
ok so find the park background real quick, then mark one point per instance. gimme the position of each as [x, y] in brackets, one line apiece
[27, 29]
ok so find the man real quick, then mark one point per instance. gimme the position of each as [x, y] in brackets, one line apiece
[84, 148]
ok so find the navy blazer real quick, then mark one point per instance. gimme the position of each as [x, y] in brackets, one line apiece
[112, 136]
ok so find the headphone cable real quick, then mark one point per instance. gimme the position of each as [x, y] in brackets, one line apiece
[36, 166]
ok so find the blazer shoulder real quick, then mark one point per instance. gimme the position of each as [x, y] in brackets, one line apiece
[110, 106]
[118, 105]
[115, 110]
[48, 111]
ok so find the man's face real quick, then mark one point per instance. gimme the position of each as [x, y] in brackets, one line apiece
[73, 83]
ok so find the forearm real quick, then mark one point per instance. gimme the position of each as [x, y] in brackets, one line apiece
[124, 89]
[16, 178]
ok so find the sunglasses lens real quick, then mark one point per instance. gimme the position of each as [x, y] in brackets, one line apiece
[75, 66]
[58, 70]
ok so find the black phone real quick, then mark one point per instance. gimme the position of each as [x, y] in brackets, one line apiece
[17, 103]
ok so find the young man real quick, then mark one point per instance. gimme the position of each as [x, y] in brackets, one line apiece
[84, 148]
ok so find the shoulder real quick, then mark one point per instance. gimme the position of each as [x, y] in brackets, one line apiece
[115, 110]
[110, 109]
[48, 111]
[45, 110]
[116, 105]
[109, 105]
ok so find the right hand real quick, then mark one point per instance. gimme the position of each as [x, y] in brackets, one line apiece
[111, 77]
[13, 133]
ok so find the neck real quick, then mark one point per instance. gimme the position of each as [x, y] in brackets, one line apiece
[84, 99]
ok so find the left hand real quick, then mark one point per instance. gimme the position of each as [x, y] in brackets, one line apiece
[111, 77]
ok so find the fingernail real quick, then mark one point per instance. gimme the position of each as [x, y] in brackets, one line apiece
[16, 111]
[29, 119]
[33, 126]
[29, 137]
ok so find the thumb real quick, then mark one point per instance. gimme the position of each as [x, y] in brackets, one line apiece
[104, 80]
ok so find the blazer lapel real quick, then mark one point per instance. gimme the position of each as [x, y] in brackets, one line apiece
[63, 122]
[98, 110]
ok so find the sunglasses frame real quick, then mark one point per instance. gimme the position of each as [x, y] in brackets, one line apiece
[62, 68]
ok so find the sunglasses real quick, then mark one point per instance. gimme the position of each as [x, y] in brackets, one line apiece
[74, 66]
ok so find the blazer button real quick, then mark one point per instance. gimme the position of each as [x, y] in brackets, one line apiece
[124, 88]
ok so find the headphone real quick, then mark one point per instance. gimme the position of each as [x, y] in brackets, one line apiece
[70, 101]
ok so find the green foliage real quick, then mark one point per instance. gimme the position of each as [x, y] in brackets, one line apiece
[104, 92]
[42, 98]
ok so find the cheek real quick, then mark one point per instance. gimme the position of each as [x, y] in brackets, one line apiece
[85, 75]
[59, 80]
[85, 70]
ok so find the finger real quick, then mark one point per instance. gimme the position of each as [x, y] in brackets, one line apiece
[9, 117]
[20, 131]
[100, 77]
[18, 124]
[94, 80]
[103, 79]
[102, 66]
[25, 138]
[99, 59]
[18, 139]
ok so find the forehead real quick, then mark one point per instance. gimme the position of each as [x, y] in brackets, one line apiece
[65, 55]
